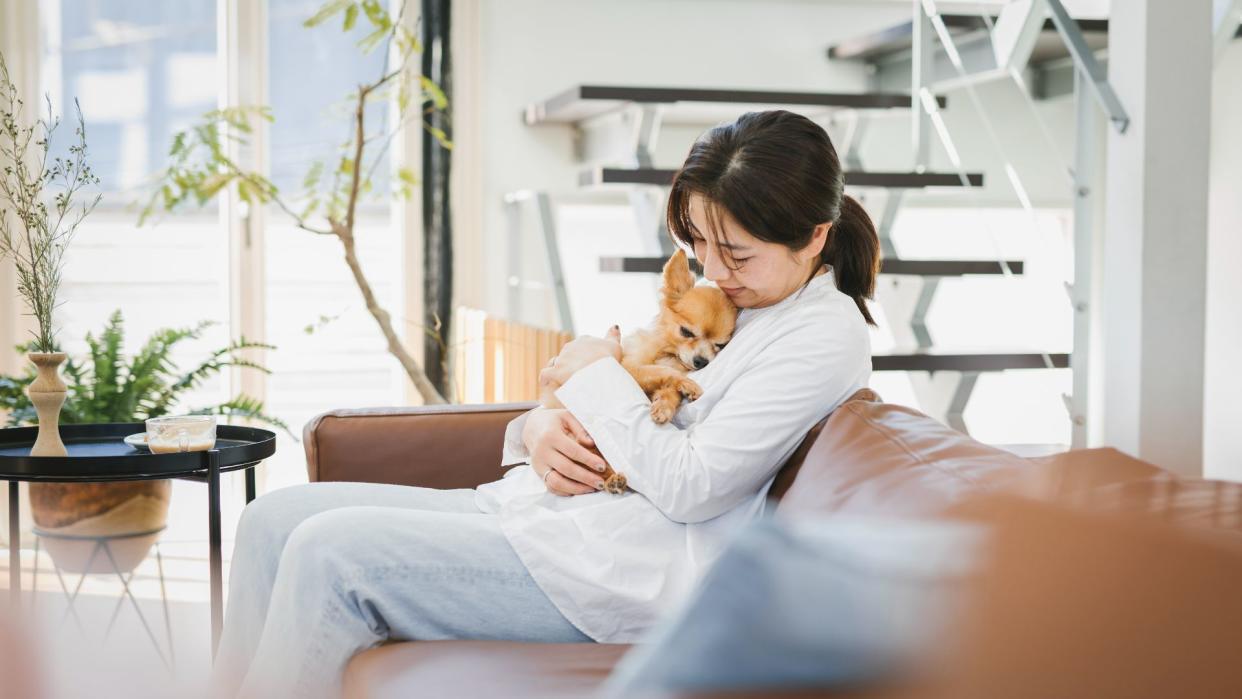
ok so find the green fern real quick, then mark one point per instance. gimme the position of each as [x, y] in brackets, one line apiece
[112, 388]
[243, 406]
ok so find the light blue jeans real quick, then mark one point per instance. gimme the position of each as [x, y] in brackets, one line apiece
[324, 570]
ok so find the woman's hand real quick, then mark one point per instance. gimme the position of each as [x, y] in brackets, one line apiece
[578, 353]
[559, 446]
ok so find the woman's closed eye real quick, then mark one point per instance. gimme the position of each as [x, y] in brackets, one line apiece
[739, 261]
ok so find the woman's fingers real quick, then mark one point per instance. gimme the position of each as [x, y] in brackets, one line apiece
[571, 468]
[577, 430]
[573, 449]
[561, 484]
[568, 458]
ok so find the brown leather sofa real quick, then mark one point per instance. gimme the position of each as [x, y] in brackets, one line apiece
[868, 457]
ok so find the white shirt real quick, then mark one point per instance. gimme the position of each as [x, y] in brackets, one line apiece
[614, 565]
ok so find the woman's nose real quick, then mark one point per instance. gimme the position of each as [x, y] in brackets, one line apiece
[713, 267]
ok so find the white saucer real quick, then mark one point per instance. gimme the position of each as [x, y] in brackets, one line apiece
[138, 441]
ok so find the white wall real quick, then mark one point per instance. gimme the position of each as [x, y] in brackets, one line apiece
[1222, 441]
[1155, 237]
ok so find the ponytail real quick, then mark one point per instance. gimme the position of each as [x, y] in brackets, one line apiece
[853, 250]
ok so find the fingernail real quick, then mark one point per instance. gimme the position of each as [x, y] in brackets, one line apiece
[599, 467]
[599, 485]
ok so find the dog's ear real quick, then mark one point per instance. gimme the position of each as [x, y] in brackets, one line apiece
[677, 277]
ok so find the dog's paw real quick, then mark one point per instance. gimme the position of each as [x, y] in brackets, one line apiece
[662, 410]
[615, 484]
[689, 389]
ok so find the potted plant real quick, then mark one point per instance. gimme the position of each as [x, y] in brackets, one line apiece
[107, 387]
[36, 235]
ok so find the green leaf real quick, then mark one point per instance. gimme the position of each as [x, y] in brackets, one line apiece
[199, 168]
[372, 40]
[247, 191]
[246, 407]
[328, 9]
[111, 388]
[376, 14]
[433, 92]
[351, 17]
[403, 97]
[212, 185]
[406, 42]
[311, 180]
[311, 206]
[441, 137]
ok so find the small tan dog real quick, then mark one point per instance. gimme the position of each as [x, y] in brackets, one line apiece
[693, 325]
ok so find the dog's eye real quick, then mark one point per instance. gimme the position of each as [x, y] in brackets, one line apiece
[686, 332]
[721, 345]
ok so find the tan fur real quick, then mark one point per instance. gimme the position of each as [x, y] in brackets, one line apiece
[659, 357]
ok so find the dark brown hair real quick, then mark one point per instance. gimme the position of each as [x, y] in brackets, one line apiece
[777, 174]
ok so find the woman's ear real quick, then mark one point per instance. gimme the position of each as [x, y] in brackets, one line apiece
[819, 241]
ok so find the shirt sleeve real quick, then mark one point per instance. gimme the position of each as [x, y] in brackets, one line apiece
[706, 469]
[514, 451]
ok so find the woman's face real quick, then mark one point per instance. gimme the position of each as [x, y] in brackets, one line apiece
[766, 272]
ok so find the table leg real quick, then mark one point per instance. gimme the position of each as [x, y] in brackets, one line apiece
[250, 484]
[213, 523]
[15, 545]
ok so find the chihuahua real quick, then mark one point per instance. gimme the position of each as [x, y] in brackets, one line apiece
[693, 325]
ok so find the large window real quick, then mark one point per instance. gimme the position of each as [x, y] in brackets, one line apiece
[143, 71]
[343, 362]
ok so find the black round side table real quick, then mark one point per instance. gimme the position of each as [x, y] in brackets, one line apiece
[98, 453]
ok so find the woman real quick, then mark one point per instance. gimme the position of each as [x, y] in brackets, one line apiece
[324, 570]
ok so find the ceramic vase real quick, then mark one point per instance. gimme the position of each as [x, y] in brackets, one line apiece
[47, 393]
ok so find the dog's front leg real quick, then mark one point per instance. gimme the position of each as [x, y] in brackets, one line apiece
[666, 387]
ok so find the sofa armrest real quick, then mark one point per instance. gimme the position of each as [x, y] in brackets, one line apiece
[433, 446]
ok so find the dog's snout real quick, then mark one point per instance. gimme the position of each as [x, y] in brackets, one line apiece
[700, 362]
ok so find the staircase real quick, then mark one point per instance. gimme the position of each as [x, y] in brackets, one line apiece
[900, 55]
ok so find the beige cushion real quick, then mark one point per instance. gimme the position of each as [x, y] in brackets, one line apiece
[481, 669]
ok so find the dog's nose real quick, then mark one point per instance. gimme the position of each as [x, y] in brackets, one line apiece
[699, 362]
